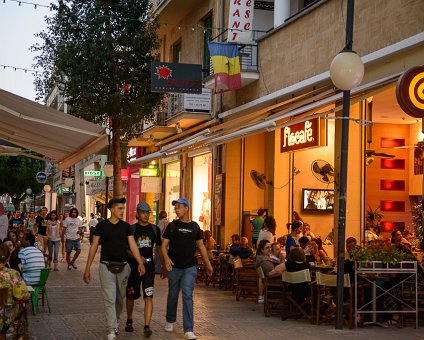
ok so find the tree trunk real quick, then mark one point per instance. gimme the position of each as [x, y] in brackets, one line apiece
[116, 159]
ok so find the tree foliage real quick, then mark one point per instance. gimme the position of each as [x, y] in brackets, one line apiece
[99, 52]
[18, 174]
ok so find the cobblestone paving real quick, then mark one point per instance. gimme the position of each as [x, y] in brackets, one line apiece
[77, 313]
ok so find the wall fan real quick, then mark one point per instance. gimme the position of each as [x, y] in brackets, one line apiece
[259, 179]
[323, 171]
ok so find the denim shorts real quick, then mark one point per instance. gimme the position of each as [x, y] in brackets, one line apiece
[73, 245]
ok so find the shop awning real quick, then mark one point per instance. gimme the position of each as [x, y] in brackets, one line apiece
[60, 137]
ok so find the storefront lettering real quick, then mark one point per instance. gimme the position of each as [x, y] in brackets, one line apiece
[298, 137]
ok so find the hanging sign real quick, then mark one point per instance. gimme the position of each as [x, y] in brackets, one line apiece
[148, 172]
[176, 77]
[307, 134]
[241, 20]
[41, 177]
[410, 91]
[93, 173]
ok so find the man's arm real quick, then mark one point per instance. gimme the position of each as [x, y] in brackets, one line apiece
[167, 262]
[136, 254]
[204, 254]
[91, 254]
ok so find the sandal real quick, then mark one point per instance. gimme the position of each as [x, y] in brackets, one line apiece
[73, 265]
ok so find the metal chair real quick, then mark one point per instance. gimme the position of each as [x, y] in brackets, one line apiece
[40, 288]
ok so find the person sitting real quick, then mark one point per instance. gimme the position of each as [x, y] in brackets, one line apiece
[398, 242]
[307, 248]
[32, 260]
[292, 238]
[17, 291]
[306, 231]
[209, 242]
[370, 234]
[264, 260]
[329, 239]
[268, 230]
[276, 255]
[322, 254]
[349, 267]
[14, 262]
[296, 262]
[243, 251]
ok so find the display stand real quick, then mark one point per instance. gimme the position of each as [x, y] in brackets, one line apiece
[374, 272]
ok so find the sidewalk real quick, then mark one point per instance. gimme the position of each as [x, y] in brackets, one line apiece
[77, 313]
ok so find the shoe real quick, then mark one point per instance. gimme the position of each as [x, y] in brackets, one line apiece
[116, 331]
[73, 265]
[169, 326]
[69, 267]
[261, 299]
[189, 335]
[147, 332]
[129, 327]
[111, 336]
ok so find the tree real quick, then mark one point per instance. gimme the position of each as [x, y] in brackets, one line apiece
[99, 52]
[18, 174]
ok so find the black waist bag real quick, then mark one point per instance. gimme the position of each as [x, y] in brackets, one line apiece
[114, 266]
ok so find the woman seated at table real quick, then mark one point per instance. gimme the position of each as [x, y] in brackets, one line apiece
[263, 260]
[209, 242]
[243, 251]
[297, 262]
[17, 291]
[322, 254]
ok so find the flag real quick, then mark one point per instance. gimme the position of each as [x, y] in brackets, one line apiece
[226, 66]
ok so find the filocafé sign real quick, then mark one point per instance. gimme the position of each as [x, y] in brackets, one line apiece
[307, 134]
[176, 77]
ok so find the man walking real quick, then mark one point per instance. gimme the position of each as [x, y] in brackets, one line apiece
[92, 225]
[181, 237]
[41, 229]
[146, 235]
[72, 229]
[4, 223]
[116, 236]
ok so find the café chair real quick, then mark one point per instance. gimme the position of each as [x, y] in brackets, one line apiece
[201, 270]
[408, 292]
[40, 288]
[291, 307]
[225, 273]
[246, 281]
[326, 309]
[273, 293]
[214, 278]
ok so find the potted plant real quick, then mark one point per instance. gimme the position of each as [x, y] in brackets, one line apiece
[417, 222]
[373, 219]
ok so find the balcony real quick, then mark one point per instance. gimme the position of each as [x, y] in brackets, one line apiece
[248, 55]
[186, 110]
[173, 10]
[155, 130]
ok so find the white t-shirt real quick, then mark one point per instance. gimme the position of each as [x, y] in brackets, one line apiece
[93, 222]
[4, 226]
[72, 225]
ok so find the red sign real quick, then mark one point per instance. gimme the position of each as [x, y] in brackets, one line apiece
[307, 134]
[124, 175]
[410, 91]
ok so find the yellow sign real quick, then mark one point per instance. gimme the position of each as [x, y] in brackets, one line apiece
[148, 172]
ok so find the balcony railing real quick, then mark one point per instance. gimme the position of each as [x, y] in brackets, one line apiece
[158, 120]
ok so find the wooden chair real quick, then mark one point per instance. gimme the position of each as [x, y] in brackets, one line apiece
[246, 279]
[201, 270]
[214, 278]
[225, 273]
[325, 287]
[408, 301]
[291, 306]
[40, 288]
[273, 293]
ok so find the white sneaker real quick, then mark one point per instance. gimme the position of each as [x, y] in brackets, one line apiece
[261, 299]
[169, 326]
[117, 331]
[189, 335]
[111, 336]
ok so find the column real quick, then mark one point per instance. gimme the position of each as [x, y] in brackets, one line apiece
[281, 11]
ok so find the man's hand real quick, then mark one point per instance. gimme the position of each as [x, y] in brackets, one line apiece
[86, 277]
[209, 270]
[168, 264]
[141, 269]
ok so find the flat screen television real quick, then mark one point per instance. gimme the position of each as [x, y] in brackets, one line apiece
[320, 200]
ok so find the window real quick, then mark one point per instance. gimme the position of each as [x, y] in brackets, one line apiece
[207, 36]
[176, 52]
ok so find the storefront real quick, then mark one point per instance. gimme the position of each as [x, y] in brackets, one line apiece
[172, 185]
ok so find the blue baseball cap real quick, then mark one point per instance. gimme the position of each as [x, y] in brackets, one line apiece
[143, 206]
[182, 201]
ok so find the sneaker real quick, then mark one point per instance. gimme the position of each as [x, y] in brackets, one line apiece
[261, 299]
[189, 335]
[73, 265]
[111, 336]
[129, 327]
[147, 332]
[116, 331]
[169, 326]
[69, 267]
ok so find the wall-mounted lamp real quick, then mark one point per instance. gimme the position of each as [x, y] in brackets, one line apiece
[108, 169]
[178, 128]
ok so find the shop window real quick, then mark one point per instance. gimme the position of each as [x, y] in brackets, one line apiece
[398, 206]
[207, 36]
[172, 187]
[202, 185]
[392, 164]
[388, 142]
[395, 185]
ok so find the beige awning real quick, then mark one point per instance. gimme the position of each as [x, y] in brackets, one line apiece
[60, 137]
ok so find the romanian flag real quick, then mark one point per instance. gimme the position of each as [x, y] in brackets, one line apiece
[226, 66]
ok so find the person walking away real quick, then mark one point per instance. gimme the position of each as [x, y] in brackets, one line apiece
[32, 260]
[54, 230]
[146, 236]
[257, 226]
[30, 222]
[182, 236]
[41, 229]
[4, 223]
[116, 236]
[92, 224]
[72, 229]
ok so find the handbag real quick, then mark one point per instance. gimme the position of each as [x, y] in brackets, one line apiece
[237, 263]
[201, 218]
[115, 267]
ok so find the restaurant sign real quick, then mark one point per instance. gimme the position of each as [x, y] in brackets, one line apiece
[303, 135]
[148, 172]
[410, 91]
[176, 77]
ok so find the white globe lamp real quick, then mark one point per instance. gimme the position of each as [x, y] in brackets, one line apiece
[28, 191]
[47, 188]
[108, 169]
[69, 182]
[346, 70]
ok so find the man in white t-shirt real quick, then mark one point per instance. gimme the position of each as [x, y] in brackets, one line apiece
[91, 225]
[4, 223]
[72, 228]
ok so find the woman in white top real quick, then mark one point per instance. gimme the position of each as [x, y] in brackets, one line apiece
[54, 231]
[268, 230]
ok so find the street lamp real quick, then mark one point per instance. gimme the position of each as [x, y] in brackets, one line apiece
[346, 72]
[29, 192]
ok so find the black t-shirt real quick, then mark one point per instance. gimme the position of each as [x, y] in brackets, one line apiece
[114, 239]
[15, 223]
[145, 238]
[182, 242]
[42, 225]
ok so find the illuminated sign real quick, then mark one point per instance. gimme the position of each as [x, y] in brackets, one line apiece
[148, 172]
[307, 134]
[92, 173]
[410, 91]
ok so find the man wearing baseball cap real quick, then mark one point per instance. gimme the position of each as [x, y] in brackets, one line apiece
[182, 236]
[146, 235]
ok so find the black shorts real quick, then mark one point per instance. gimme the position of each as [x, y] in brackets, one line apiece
[147, 281]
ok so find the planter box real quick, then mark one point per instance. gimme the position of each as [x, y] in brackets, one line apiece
[381, 267]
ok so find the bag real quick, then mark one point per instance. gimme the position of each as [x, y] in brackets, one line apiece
[114, 266]
[237, 263]
[201, 218]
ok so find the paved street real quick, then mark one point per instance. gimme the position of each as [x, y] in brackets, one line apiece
[77, 313]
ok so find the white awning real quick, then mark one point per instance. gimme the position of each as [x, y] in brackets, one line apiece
[62, 138]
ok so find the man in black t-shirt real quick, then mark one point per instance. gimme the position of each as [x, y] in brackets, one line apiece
[182, 236]
[146, 235]
[16, 223]
[41, 229]
[116, 236]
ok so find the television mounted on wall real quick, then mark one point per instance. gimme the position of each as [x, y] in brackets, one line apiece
[317, 200]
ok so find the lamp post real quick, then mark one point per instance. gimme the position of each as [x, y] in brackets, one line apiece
[346, 72]
[29, 192]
